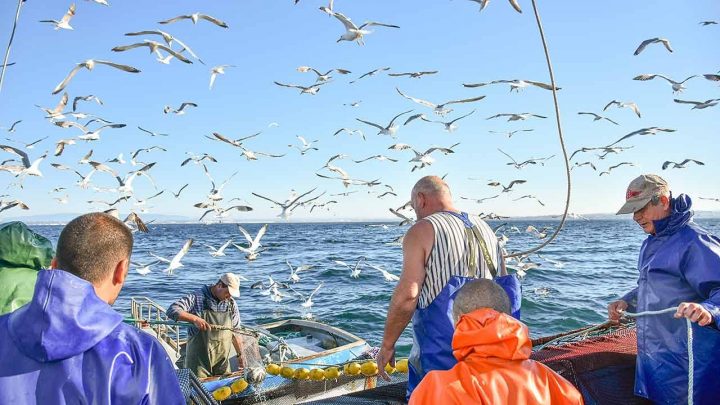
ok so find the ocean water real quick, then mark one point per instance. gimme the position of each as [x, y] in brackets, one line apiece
[587, 266]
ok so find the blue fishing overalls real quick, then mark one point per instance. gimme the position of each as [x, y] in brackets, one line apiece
[433, 326]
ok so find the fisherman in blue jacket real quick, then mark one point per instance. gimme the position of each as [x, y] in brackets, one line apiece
[67, 345]
[679, 266]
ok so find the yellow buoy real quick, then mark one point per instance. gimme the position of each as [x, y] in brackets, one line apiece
[352, 369]
[272, 369]
[302, 374]
[287, 372]
[369, 368]
[332, 373]
[239, 385]
[222, 393]
[317, 374]
[402, 366]
[389, 369]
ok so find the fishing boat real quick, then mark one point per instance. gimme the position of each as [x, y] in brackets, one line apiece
[292, 343]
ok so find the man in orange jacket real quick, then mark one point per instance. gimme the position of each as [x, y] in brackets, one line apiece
[493, 350]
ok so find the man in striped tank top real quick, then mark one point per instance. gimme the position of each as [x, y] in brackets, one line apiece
[445, 249]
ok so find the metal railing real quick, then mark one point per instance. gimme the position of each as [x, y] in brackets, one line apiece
[145, 309]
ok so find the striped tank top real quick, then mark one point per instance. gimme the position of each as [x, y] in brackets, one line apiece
[449, 254]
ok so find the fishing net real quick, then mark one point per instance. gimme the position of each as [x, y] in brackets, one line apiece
[600, 364]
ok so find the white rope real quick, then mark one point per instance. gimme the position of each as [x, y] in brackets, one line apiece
[689, 344]
[12, 36]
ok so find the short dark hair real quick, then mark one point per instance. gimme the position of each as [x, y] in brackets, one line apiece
[481, 293]
[91, 245]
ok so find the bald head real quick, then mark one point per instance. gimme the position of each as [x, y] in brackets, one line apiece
[430, 195]
[431, 186]
[481, 293]
[91, 245]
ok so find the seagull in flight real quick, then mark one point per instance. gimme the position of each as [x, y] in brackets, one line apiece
[217, 70]
[12, 127]
[531, 161]
[234, 142]
[507, 188]
[682, 164]
[90, 65]
[515, 84]
[390, 129]
[64, 22]
[616, 166]
[484, 3]
[597, 117]
[376, 157]
[643, 131]
[699, 105]
[647, 42]
[386, 274]
[177, 195]
[450, 125]
[621, 104]
[516, 117]
[479, 200]
[312, 90]
[350, 132]
[354, 32]
[511, 133]
[354, 270]
[405, 219]
[179, 111]
[413, 75]
[219, 251]
[677, 87]
[143, 269]
[6, 205]
[295, 270]
[530, 196]
[253, 248]
[371, 73]
[439, 109]
[27, 168]
[322, 77]
[306, 146]
[197, 159]
[85, 98]
[169, 39]
[151, 133]
[287, 205]
[195, 17]
[425, 159]
[175, 263]
[154, 48]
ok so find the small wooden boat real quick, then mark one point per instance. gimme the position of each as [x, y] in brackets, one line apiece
[293, 343]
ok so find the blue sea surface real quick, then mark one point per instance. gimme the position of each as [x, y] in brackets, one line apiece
[590, 264]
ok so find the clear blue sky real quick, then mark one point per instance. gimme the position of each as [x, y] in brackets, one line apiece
[591, 45]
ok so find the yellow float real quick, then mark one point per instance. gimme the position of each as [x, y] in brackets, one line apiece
[239, 385]
[352, 369]
[332, 373]
[301, 374]
[273, 369]
[317, 374]
[402, 366]
[287, 372]
[222, 393]
[369, 368]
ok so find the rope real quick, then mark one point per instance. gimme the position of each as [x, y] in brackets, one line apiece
[571, 335]
[691, 362]
[12, 36]
[560, 135]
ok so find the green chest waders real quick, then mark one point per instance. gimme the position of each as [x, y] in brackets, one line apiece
[208, 352]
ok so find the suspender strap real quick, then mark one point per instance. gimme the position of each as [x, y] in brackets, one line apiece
[473, 232]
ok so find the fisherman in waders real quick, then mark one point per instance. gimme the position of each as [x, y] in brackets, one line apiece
[445, 249]
[208, 348]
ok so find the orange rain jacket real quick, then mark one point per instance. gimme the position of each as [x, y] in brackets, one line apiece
[493, 351]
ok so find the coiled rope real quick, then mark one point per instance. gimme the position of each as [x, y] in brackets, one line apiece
[560, 136]
[691, 362]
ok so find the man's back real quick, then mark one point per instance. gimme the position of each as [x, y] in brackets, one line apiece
[68, 346]
[449, 255]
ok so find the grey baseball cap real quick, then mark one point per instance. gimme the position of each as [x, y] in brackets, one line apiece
[641, 190]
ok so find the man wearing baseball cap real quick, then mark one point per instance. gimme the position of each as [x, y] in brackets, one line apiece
[679, 267]
[208, 349]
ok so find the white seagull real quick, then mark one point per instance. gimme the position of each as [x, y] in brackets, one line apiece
[621, 104]
[175, 262]
[388, 276]
[64, 22]
[217, 70]
[354, 32]
[254, 245]
[90, 65]
[647, 42]
[354, 270]
[390, 129]
[219, 251]
[439, 109]
[195, 17]
[677, 87]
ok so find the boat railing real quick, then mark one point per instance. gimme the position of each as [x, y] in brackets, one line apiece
[145, 309]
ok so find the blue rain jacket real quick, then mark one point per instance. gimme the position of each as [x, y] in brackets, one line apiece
[680, 263]
[69, 347]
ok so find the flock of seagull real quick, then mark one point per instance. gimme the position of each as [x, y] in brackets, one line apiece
[68, 115]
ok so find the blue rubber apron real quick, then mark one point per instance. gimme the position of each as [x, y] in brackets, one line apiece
[433, 326]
